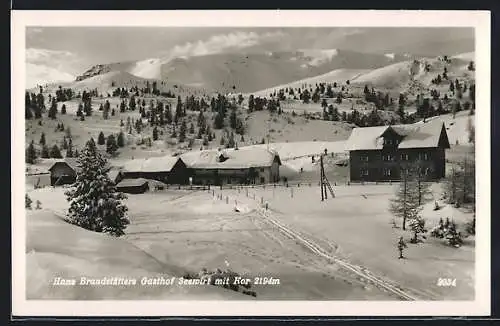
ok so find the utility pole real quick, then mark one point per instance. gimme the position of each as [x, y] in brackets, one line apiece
[321, 178]
[324, 183]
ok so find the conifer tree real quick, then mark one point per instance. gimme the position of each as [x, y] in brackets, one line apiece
[94, 201]
[111, 146]
[53, 110]
[120, 141]
[219, 121]
[79, 111]
[27, 106]
[155, 133]
[405, 204]
[69, 151]
[101, 139]
[45, 152]
[55, 152]
[182, 132]
[42, 139]
[417, 226]
[31, 153]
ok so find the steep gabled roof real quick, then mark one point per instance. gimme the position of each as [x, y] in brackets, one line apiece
[417, 135]
[242, 158]
[72, 162]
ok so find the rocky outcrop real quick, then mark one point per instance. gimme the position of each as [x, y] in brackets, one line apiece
[94, 71]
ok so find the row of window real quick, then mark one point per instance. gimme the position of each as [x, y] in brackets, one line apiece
[390, 157]
[389, 141]
[388, 172]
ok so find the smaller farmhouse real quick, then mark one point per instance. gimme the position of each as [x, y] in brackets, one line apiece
[64, 172]
[380, 153]
[246, 165]
[166, 169]
[133, 186]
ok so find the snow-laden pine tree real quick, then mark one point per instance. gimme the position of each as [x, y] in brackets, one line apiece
[417, 225]
[94, 202]
[405, 204]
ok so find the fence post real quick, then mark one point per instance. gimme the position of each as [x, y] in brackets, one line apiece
[291, 192]
[227, 200]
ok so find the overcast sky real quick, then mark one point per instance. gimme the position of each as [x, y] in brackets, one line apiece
[74, 49]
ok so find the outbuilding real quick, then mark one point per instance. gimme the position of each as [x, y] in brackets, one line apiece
[133, 186]
[166, 169]
[64, 172]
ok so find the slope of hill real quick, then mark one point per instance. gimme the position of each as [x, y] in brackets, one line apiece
[337, 75]
[106, 82]
[246, 72]
[400, 76]
[55, 248]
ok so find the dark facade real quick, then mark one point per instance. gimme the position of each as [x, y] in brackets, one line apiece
[244, 175]
[61, 173]
[386, 164]
[178, 174]
[133, 188]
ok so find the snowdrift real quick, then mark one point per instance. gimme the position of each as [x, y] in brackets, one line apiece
[55, 248]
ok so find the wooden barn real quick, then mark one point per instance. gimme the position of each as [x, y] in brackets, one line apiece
[64, 172]
[133, 186]
[247, 165]
[380, 153]
[166, 169]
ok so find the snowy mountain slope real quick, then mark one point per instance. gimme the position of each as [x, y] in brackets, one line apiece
[246, 72]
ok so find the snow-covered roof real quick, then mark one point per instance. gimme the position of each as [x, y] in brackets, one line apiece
[151, 164]
[242, 158]
[113, 174]
[417, 135]
[72, 162]
[132, 182]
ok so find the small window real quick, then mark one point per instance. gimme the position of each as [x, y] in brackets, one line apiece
[388, 141]
[261, 169]
[363, 172]
[387, 172]
[404, 157]
[363, 158]
[426, 156]
[262, 180]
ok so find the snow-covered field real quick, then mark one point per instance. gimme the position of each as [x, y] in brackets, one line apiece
[168, 227]
[356, 224]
